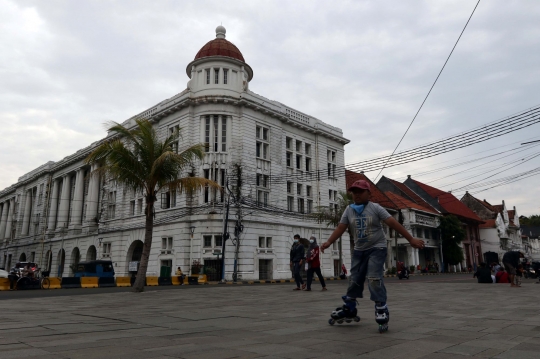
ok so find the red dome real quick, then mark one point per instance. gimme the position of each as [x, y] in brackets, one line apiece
[220, 47]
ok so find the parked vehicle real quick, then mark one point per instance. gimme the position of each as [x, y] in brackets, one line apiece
[99, 268]
[404, 273]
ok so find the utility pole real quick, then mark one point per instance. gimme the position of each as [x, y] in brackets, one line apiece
[239, 227]
[225, 235]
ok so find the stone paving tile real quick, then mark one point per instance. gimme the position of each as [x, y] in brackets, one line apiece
[253, 322]
[463, 349]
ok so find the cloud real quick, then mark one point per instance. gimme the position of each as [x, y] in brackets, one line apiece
[364, 66]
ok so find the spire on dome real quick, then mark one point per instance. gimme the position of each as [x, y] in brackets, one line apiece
[220, 32]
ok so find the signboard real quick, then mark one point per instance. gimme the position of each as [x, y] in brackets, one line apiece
[133, 266]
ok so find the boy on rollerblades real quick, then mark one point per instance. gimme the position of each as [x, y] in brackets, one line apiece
[364, 218]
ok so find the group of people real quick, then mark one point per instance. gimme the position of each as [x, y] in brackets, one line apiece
[311, 260]
[17, 273]
[510, 272]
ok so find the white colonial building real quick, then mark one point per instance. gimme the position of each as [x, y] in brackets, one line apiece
[288, 161]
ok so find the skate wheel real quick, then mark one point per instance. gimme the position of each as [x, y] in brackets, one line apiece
[383, 328]
[331, 321]
[357, 319]
[340, 321]
[348, 320]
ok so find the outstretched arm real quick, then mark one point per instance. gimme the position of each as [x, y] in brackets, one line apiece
[392, 223]
[338, 232]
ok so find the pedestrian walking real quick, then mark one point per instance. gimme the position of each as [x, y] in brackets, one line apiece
[511, 260]
[298, 255]
[364, 220]
[314, 263]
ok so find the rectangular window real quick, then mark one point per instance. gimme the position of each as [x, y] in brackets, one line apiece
[225, 76]
[173, 198]
[258, 149]
[216, 76]
[218, 240]
[335, 195]
[298, 162]
[301, 205]
[299, 189]
[216, 133]
[268, 242]
[265, 151]
[265, 181]
[173, 131]
[166, 200]
[298, 146]
[308, 149]
[289, 159]
[265, 134]
[289, 187]
[132, 208]
[308, 164]
[334, 171]
[262, 242]
[308, 191]
[258, 131]
[208, 76]
[223, 133]
[309, 208]
[290, 204]
[40, 199]
[140, 205]
[288, 143]
[207, 134]
[106, 249]
[207, 241]
[259, 179]
[112, 205]
[206, 189]
[330, 194]
[262, 198]
[329, 169]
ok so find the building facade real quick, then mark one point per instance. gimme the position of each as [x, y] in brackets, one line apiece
[282, 160]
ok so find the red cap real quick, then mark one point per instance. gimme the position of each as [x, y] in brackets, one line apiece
[360, 184]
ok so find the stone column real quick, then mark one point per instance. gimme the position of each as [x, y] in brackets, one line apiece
[410, 256]
[93, 198]
[3, 220]
[64, 203]
[34, 213]
[54, 206]
[27, 211]
[9, 221]
[77, 207]
[417, 256]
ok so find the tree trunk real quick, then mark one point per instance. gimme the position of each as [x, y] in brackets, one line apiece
[138, 286]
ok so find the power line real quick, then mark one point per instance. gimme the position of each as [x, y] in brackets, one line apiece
[440, 72]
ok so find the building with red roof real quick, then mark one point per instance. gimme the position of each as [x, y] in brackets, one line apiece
[447, 204]
[500, 231]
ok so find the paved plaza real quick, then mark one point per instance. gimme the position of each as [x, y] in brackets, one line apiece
[435, 317]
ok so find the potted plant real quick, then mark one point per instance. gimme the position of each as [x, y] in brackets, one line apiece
[411, 269]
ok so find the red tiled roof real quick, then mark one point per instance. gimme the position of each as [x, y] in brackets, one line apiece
[498, 207]
[220, 47]
[403, 203]
[489, 223]
[410, 193]
[377, 196]
[449, 202]
[487, 205]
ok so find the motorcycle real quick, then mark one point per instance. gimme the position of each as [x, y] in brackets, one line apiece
[404, 273]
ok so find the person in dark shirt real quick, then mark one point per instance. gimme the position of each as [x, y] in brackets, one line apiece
[511, 261]
[298, 254]
[483, 273]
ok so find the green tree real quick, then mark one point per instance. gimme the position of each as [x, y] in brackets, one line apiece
[533, 220]
[452, 234]
[138, 160]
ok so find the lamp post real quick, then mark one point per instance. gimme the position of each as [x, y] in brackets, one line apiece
[192, 231]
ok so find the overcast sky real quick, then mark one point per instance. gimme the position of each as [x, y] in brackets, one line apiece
[66, 67]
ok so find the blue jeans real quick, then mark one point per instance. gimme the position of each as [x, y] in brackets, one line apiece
[368, 263]
[297, 277]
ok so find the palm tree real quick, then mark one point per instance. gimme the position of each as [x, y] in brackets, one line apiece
[137, 159]
[332, 217]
